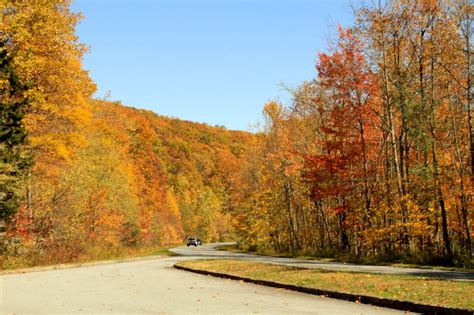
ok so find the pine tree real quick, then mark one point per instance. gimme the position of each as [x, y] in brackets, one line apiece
[15, 159]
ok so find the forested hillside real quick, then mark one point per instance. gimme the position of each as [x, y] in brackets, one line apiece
[132, 179]
[136, 179]
[84, 178]
[373, 160]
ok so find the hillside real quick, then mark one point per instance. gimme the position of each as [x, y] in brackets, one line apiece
[373, 160]
[130, 179]
[85, 179]
[182, 173]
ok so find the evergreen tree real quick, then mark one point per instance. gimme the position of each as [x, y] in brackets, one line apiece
[15, 158]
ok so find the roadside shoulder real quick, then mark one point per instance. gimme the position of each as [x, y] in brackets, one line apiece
[358, 298]
[78, 265]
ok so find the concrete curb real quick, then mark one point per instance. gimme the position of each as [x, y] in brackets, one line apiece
[77, 265]
[382, 302]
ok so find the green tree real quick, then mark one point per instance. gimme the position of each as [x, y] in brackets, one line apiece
[15, 159]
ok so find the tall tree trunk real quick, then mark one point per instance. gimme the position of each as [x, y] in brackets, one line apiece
[438, 189]
[467, 32]
[366, 171]
[291, 222]
[465, 21]
[393, 143]
[462, 186]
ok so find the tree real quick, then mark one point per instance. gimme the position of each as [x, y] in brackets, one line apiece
[15, 157]
[344, 168]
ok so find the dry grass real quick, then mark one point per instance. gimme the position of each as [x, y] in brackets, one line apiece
[93, 255]
[409, 288]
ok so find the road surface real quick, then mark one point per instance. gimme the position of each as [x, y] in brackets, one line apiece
[154, 287]
[209, 251]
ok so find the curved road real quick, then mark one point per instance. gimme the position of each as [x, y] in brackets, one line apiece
[153, 286]
[209, 251]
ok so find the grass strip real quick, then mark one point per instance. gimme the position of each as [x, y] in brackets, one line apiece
[12, 263]
[445, 293]
[272, 253]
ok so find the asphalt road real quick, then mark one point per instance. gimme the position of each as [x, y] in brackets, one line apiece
[154, 287]
[209, 251]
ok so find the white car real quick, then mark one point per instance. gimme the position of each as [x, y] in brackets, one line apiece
[193, 241]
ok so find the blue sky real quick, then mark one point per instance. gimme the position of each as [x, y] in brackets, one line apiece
[213, 61]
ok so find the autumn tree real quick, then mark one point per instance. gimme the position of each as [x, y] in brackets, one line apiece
[384, 130]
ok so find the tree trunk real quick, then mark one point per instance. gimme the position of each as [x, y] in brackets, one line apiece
[438, 189]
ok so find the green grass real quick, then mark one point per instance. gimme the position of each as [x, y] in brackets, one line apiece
[400, 287]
